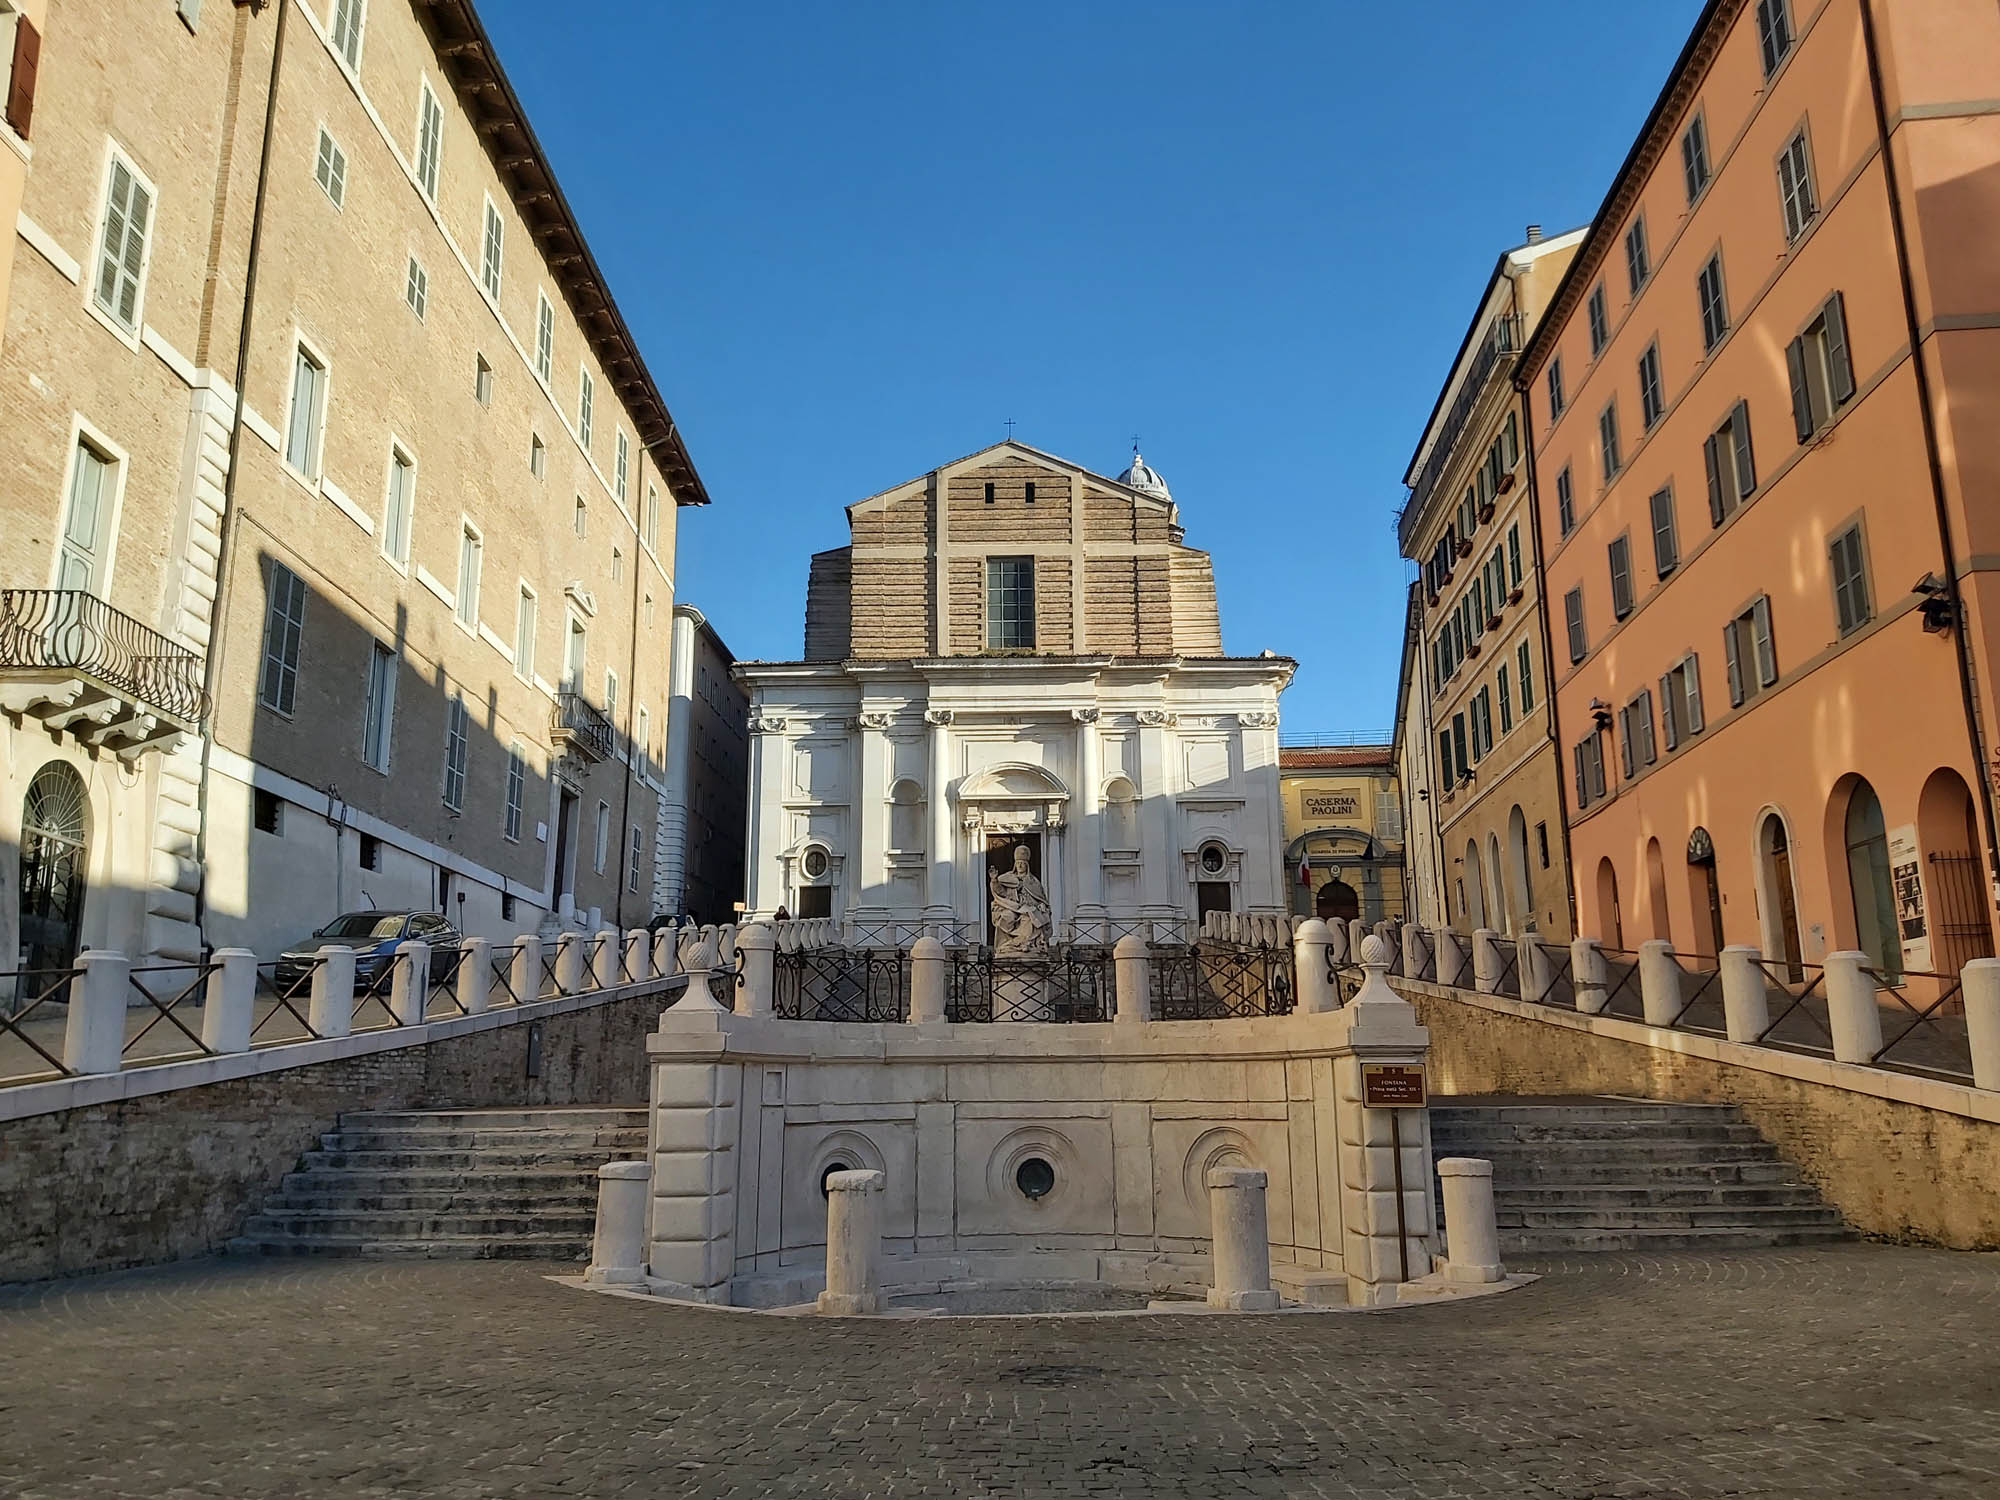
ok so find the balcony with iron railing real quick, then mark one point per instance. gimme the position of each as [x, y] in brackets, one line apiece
[1501, 342]
[72, 661]
[575, 724]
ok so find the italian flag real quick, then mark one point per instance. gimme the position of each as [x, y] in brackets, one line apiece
[1305, 870]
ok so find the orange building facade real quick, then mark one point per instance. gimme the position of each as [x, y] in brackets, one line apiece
[1765, 463]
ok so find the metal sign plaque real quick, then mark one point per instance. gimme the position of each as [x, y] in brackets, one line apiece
[1392, 1085]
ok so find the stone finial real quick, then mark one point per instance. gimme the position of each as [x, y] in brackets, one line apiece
[1375, 954]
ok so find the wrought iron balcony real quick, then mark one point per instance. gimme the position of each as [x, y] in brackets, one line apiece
[79, 665]
[576, 725]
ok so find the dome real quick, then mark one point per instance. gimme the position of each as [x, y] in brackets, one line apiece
[1146, 480]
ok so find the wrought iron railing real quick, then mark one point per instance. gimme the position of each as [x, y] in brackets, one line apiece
[32, 1013]
[1070, 984]
[841, 984]
[1927, 1035]
[71, 631]
[1212, 982]
[577, 722]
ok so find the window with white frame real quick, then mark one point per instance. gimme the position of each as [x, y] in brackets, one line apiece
[517, 790]
[586, 398]
[526, 607]
[579, 519]
[1010, 603]
[430, 139]
[1524, 676]
[1666, 540]
[471, 559]
[1795, 185]
[1680, 700]
[1751, 652]
[123, 246]
[417, 288]
[1731, 464]
[1852, 607]
[345, 30]
[1821, 369]
[545, 337]
[284, 632]
[399, 508]
[380, 716]
[538, 455]
[1638, 258]
[1600, 320]
[457, 741]
[304, 428]
[637, 847]
[602, 845]
[611, 695]
[492, 245]
[330, 169]
[83, 560]
[1695, 170]
[1714, 302]
[1652, 389]
[653, 517]
[621, 467]
[1774, 33]
[643, 740]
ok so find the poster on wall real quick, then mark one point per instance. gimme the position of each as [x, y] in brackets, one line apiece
[1906, 880]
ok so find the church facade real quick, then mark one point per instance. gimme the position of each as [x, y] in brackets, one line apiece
[1014, 697]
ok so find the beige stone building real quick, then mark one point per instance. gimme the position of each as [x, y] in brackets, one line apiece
[390, 631]
[1344, 855]
[1014, 653]
[1484, 769]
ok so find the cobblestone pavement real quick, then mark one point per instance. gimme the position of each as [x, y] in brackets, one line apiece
[1851, 1370]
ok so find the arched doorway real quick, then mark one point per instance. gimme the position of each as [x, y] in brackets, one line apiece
[1781, 909]
[1867, 841]
[1520, 884]
[1337, 901]
[1656, 891]
[54, 867]
[1474, 897]
[1704, 893]
[1956, 907]
[1607, 904]
[1498, 913]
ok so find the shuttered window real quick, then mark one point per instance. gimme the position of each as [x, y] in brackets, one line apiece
[1821, 369]
[430, 139]
[1795, 186]
[330, 169]
[545, 337]
[397, 510]
[1666, 545]
[1526, 674]
[1714, 302]
[586, 405]
[1751, 652]
[1851, 605]
[457, 738]
[1652, 393]
[1680, 700]
[1600, 321]
[380, 716]
[517, 787]
[1638, 260]
[1565, 502]
[284, 631]
[308, 413]
[492, 247]
[1607, 439]
[1731, 464]
[1573, 619]
[1557, 400]
[1503, 687]
[24, 47]
[1694, 157]
[346, 30]
[1774, 33]
[1619, 555]
[121, 251]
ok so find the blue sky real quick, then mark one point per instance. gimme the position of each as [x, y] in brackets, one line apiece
[853, 239]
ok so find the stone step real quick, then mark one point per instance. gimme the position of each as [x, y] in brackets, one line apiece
[286, 1222]
[462, 1160]
[1519, 1173]
[1642, 1132]
[1499, 1152]
[609, 1138]
[445, 1247]
[1628, 1216]
[1654, 1195]
[493, 1119]
[1601, 1109]
[1516, 1243]
[582, 1177]
[367, 1195]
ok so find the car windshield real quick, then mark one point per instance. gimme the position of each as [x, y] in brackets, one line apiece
[356, 924]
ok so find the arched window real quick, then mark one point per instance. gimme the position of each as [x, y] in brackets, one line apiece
[1474, 898]
[1868, 882]
[906, 817]
[1608, 914]
[1121, 817]
[1781, 933]
[1953, 873]
[54, 865]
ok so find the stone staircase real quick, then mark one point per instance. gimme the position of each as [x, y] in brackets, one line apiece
[478, 1184]
[1595, 1173]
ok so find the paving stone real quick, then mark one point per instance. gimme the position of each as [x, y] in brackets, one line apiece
[1823, 1371]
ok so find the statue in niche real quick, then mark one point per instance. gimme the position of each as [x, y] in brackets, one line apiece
[1022, 920]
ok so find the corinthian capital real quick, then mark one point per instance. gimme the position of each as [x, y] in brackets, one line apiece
[766, 724]
[1084, 715]
[937, 716]
[1258, 719]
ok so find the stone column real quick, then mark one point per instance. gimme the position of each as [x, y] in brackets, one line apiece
[569, 963]
[525, 977]
[94, 1038]
[638, 956]
[1982, 1020]
[867, 875]
[1240, 1241]
[1587, 976]
[927, 981]
[475, 975]
[1161, 872]
[759, 947]
[937, 798]
[1746, 1010]
[618, 1248]
[1130, 963]
[1532, 962]
[1088, 818]
[1851, 1013]
[331, 1012]
[853, 1245]
[1486, 961]
[1309, 960]
[1471, 1230]
[1659, 982]
[667, 950]
[604, 960]
[410, 984]
[230, 1006]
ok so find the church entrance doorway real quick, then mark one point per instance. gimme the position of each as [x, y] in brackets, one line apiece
[1000, 849]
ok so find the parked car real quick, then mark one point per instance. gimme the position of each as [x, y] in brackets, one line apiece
[373, 935]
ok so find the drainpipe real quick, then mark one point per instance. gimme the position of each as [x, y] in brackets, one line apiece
[1931, 452]
[212, 655]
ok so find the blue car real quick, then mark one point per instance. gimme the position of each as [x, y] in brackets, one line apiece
[374, 936]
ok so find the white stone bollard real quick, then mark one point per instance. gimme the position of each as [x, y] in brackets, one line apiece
[1472, 1233]
[1317, 994]
[1412, 951]
[1851, 1013]
[853, 1245]
[1132, 967]
[1982, 1020]
[524, 977]
[230, 1006]
[94, 1040]
[604, 961]
[1450, 952]
[1587, 976]
[1659, 982]
[569, 963]
[927, 981]
[1486, 961]
[638, 956]
[1336, 943]
[330, 1012]
[1532, 958]
[1240, 1241]
[759, 946]
[475, 975]
[618, 1248]
[1746, 1010]
[666, 951]
[1356, 933]
[410, 983]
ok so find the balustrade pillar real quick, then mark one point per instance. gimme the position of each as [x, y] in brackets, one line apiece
[476, 981]
[94, 1040]
[1746, 1010]
[759, 947]
[1486, 961]
[1317, 994]
[618, 1247]
[1131, 964]
[525, 977]
[1981, 993]
[1471, 1228]
[927, 981]
[604, 960]
[410, 984]
[1587, 975]
[1851, 1012]
[330, 1011]
[1659, 982]
[230, 1007]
